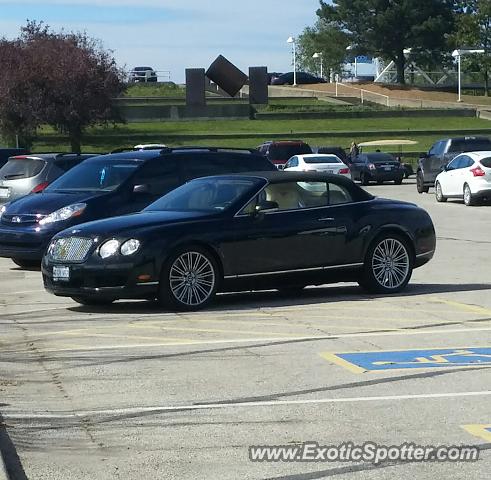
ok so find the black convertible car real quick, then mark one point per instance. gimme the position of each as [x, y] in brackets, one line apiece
[283, 230]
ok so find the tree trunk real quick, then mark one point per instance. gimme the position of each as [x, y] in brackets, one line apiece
[400, 62]
[486, 82]
[75, 135]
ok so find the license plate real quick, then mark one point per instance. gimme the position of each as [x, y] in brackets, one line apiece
[388, 168]
[61, 274]
[4, 192]
[330, 171]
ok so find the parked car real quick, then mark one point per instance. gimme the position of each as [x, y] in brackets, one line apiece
[24, 174]
[272, 76]
[283, 230]
[303, 78]
[441, 153]
[280, 151]
[467, 176]
[340, 152]
[6, 153]
[316, 162]
[143, 74]
[110, 185]
[376, 167]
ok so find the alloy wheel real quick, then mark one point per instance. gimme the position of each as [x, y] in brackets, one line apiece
[390, 263]
[192, 278]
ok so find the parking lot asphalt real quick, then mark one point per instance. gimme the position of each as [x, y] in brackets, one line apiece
[132, 392]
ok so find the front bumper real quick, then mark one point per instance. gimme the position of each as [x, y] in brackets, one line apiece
[24, 242]
[94, 280]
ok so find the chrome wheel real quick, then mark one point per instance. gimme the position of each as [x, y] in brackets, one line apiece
[391, 264]
[192, 278]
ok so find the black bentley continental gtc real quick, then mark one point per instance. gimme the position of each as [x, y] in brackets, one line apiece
[280, 230]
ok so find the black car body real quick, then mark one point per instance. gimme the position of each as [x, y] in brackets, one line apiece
[110, 185]
[242, 232]
[441, 153]
[340, 152]
[376, 167]
[280, 151]
[303, 78]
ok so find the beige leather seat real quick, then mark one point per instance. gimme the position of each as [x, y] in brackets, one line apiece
[284, 194]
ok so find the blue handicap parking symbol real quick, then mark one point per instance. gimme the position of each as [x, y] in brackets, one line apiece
[427, 358]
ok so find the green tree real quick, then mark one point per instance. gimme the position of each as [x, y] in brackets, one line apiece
[66, 80]
[385, 28]
[474, 31]
[328, 40]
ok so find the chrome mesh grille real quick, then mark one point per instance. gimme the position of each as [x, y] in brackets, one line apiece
[70, 249]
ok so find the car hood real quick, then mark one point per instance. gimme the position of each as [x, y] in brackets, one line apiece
[135, 221]
[48, 202]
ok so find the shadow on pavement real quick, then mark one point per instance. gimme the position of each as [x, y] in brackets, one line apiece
[273, 298]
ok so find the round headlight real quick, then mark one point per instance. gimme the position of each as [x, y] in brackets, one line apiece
[130, 246]
[109, 248]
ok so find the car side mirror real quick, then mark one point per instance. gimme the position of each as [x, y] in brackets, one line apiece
[266, 206]
[141, 189]
[445, 168]
[281, 167]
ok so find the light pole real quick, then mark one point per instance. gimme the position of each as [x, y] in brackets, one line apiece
[349, 48]
[319, 55]
[294, 51]
[458, 54]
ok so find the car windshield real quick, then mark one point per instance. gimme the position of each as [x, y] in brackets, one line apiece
[322, 159]
[380, 158]
[94, 176]
[18, 168]
[486, 162]
[206, 194]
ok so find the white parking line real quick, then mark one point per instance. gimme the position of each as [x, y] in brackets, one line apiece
[216, 406]
[271, 339]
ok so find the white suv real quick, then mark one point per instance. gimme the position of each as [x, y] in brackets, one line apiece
[467, 176]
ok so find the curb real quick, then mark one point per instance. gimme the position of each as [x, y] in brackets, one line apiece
[3, 469]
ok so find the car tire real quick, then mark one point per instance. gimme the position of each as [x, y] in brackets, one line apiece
[27, 263]
[93, 302]
[469, 199]
[420, 183]
[388, 264]
[363, 179]
[398, 181]
[189, 279]
[439, 194]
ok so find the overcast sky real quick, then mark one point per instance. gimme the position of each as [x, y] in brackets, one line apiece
[172, 35]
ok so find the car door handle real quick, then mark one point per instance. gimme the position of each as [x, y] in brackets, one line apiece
[326, 219]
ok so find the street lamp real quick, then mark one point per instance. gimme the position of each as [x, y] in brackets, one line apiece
[348, 48]
[294, 52]
[319, 55]
[458, 54]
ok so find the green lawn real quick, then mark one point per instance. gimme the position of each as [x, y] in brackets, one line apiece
[259, 127]
[249, 134]
[154, 90]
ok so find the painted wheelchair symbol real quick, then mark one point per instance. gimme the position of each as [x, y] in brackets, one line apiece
[457, 357]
